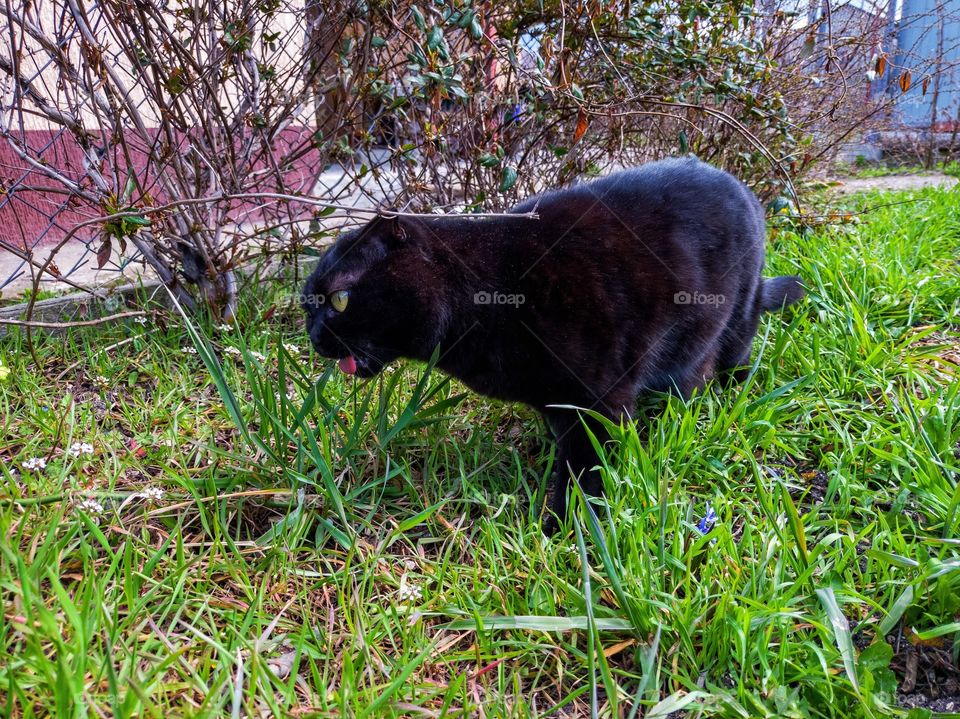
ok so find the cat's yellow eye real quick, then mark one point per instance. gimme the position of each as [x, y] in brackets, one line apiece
[338, 300]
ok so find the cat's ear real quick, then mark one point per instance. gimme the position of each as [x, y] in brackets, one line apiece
[388, 232]
[395, 230]
[399, 229]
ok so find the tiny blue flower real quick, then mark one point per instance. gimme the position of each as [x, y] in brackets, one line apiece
[709, 519]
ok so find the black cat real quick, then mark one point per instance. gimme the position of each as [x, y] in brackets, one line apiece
[647, 280]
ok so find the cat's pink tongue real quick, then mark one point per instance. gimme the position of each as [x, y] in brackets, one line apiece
[348, 365]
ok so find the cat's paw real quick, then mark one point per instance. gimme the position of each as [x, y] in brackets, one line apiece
[549, 524]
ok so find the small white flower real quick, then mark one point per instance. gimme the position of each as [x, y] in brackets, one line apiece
[91, 506]
[189, 350]
[224, 328]
[408, 592]
[80, 448]
[140, 320]
[101, 382]
[232, 351]
[152, 494]
[291, 396]
[35, 464]
[291, 348]
[257, 356]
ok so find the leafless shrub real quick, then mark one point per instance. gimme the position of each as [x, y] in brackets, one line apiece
[181, 135]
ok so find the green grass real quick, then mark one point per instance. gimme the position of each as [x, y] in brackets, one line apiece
[372, 550]
[25, 297]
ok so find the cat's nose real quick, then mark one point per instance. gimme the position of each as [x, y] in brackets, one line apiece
[316, 336]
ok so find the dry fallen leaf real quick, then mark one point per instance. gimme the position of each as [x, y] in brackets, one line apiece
[881, 65]
[282, 665]
[904, 81]
[583, 122]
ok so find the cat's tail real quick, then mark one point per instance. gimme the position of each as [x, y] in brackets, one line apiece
[778, 292]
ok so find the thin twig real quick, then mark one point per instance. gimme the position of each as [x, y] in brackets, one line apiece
[108, 348]
[78, 323]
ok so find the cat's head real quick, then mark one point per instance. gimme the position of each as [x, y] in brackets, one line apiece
[371, 298]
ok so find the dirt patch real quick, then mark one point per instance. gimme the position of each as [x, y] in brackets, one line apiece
[928, 677]
[806, 484]
[817, 483]
[942, 350]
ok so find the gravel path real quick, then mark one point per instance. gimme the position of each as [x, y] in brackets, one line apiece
[895, 182]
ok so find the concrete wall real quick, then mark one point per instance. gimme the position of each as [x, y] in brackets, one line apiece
[928, 29]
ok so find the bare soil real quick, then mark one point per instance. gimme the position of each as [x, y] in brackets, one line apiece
[929, 677]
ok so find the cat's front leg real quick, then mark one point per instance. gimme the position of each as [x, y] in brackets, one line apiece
[575, 458]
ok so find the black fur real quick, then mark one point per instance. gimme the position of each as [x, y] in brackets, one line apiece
[647, 280]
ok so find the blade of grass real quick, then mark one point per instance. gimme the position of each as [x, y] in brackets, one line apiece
[841, 633]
